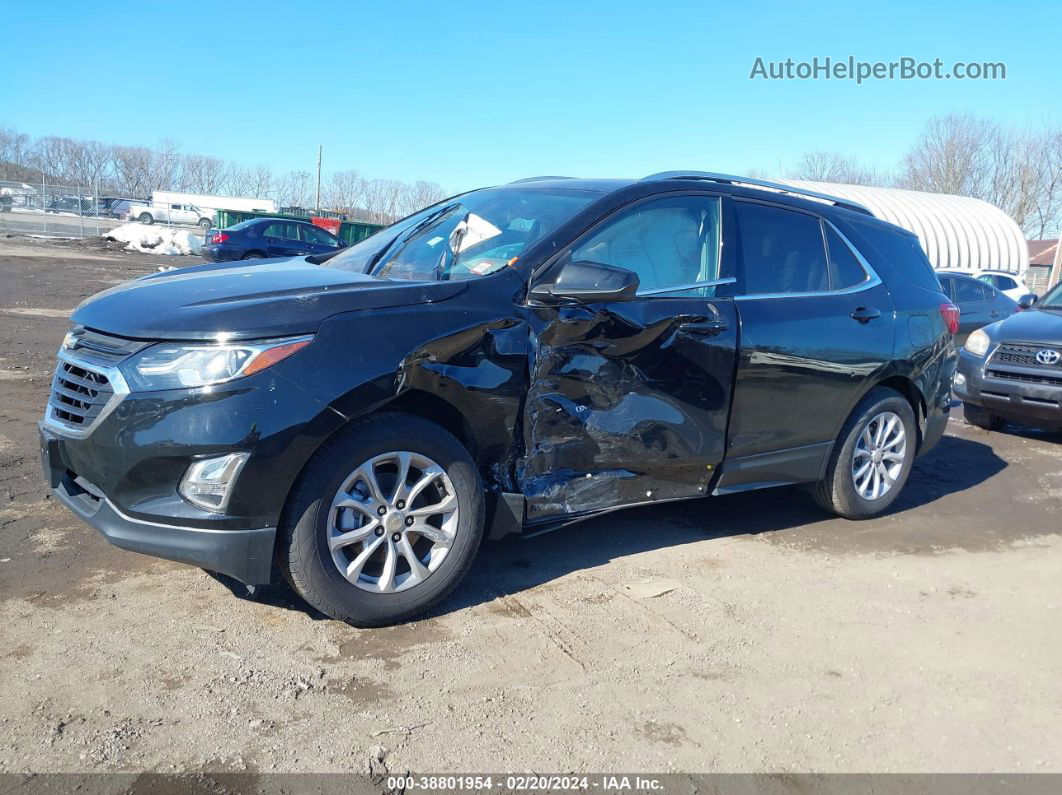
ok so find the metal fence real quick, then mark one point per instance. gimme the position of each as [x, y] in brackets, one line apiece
[52, 210]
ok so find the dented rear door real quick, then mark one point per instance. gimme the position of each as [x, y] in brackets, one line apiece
[628, 402]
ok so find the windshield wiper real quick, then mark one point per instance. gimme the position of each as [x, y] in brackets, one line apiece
[423, 222]
[452, 252]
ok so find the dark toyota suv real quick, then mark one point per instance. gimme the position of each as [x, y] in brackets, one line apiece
[513, 359]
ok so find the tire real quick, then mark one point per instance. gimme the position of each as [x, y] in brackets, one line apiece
[205, 224]
[982, 418]
[145, 218]
[840, 492]
[369, 597]
[252, 255]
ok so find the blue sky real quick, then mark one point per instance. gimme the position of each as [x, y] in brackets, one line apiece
[484, 92]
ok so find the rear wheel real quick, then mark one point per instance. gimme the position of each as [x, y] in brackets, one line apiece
[982, 418]
[384, 522]
[146, 218]
[205, 224]
[871, 458]
[252, 255]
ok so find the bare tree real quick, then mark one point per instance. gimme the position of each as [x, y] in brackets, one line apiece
[133, 167]
[952, 155]
[1046, 219]
[1016, 170]
[418, 195]
[202, 173]
[90, 164]
[255, 182]
[822, 166]
[345, 192]
[136, 171]
[382, 200]
[293, 189]
[15, 154]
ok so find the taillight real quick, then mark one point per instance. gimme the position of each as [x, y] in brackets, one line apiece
[218, 237]
[950, 313]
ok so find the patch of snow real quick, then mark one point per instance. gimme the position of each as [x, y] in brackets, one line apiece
[156, 239]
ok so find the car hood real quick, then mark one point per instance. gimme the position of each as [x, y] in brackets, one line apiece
[274, 298]
[1034, 325]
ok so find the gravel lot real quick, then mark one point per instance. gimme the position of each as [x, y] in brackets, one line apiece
[746, 633]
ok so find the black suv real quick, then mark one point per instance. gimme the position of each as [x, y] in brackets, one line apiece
[512, 359]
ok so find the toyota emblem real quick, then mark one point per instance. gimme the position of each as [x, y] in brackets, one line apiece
[1048, 356]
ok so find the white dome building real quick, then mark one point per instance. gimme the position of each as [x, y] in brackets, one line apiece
[957, 232]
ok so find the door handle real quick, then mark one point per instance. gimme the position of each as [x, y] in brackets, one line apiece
[704, 326]
[864, 314]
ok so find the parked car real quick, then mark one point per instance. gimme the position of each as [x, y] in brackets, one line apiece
[1010, 284]
[174, 214]
[78, 205]
[979, 303]
[1012, 370]
[513, 359]
[116, 207]
[268, 237]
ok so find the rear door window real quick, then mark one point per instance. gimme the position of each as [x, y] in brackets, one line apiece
[968, 291]
[783, 250]
[947, 286]
[845, 270]
[999, 282]
[282, 230]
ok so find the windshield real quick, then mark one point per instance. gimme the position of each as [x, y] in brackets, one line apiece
[1053, 299]
[468, 236]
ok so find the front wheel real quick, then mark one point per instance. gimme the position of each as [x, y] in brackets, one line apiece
[871, 458]
[384, 522]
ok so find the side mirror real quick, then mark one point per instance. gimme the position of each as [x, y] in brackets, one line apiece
[589, 282]
[1028, 301]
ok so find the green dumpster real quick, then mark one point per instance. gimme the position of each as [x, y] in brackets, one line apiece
[350, 232]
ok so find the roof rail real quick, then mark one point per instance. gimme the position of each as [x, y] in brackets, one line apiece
[537, 179]
[760, 183]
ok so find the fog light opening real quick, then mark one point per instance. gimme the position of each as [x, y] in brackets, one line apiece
[208, 481]
[960, 379]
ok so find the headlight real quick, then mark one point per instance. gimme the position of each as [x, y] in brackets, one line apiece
[977, 343]
[181, 366]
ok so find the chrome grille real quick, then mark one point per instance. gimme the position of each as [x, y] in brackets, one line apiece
[87, 383]
[78, 394]
[1023, 355]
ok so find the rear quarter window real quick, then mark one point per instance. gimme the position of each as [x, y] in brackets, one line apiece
[902, 251]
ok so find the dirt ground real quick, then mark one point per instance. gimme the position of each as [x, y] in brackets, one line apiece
[746, 633]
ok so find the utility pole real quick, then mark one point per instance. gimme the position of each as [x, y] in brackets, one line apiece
[317, 201]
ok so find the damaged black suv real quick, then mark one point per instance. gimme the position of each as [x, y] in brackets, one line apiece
[513, 359]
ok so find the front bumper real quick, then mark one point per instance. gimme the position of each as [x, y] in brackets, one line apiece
[1014, 393]
[121, 475]
[245, 554]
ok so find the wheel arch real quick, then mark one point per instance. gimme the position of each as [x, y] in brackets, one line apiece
[435, 409]
[913, 394]
[414, 402]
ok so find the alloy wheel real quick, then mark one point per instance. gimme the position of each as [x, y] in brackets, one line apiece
[392, 522]
[879, 456]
